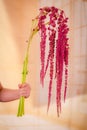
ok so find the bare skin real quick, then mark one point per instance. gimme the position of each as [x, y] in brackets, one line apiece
[7, 95]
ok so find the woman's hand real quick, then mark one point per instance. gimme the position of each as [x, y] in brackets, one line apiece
[24, 90]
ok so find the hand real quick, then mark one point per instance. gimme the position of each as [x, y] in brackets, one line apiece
[24, 90]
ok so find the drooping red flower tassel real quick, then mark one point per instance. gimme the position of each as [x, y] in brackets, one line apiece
[51, 53]
[42, 28]
[61, 58]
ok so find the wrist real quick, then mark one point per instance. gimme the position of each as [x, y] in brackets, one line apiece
[17, 93]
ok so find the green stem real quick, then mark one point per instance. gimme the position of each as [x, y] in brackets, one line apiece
[25, 72]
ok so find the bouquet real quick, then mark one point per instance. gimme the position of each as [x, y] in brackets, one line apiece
[52, 25]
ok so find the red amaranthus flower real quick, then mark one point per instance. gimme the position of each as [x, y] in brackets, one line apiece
[55, 29]
[52, 25]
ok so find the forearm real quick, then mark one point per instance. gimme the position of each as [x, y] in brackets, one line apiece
[9, 95]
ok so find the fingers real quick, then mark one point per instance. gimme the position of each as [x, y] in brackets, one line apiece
[24, 90]
[23, 85]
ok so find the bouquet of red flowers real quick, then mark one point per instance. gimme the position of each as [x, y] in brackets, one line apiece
[52, 25]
